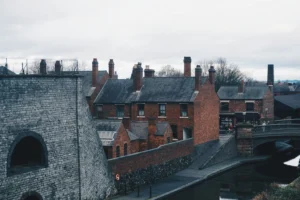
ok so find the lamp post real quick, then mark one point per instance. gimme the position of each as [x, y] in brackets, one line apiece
[244, 114]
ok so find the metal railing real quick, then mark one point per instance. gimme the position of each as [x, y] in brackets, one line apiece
[273, 128]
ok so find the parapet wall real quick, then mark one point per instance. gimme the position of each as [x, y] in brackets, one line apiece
[151, 165]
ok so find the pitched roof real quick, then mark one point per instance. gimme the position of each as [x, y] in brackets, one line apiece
[282, 88]
[140, 129]
[156, 89]
[107, 130]
[292, 101]
[86, 79]
[5, 71]
[251, 92]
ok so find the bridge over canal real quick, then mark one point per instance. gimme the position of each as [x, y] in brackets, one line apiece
[252, 138]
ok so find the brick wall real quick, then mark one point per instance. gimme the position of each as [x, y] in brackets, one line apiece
[268, 105]
[49, 107]
[153, 164]
[206, 115]
[244, 139]
[240, 106]
[120, 140]
[110, 110]
[172, 115]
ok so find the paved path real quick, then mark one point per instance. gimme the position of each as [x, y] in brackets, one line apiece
[186, 178]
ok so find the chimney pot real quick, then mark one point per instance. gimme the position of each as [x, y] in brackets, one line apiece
[187, 66]
[198, 72]
[43, 66]
[212, 72]
[57, 67]
[94, 72]
[148, 73]
[111, 68]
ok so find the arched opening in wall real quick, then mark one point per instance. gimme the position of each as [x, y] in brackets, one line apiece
[27, 153]
[125, 149]
[31, 196]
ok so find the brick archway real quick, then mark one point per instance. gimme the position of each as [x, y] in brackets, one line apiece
[31, 143]
[31, 196]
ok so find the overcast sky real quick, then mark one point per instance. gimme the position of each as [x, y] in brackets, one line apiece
[251, 34]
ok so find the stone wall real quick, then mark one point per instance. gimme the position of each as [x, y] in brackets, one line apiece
[153, 164]
[54, 109]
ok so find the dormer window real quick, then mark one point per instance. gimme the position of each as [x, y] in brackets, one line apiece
[183, 110]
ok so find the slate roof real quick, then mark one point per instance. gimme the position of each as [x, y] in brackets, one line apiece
[282, 88]
[5, 71]
[107, 130]
[251, 92]
[140, 129]
[292, 101]
[86, 80]
[156, 89]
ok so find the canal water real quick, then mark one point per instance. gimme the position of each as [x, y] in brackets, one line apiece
[241, 183]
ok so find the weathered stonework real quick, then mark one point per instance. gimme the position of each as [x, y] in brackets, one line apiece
[244, 139]
[54, 108]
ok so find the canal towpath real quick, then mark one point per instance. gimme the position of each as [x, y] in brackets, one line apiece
[186, 178]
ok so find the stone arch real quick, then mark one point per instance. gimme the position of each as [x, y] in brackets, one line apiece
[31, 196]
[27, 152]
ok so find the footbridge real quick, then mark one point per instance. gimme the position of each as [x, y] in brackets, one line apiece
[250, 138]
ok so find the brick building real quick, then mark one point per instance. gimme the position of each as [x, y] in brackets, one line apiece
[49, 148]
[287, 106]
[189, 104]
[245, 103]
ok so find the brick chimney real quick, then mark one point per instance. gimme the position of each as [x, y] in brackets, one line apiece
[94, 72]
[187, 66]
[138, 77]
[270, 80]
[57, 67]
[111, 68]
[43, 67]
[126, 122]
[212, 76]
[149, 73]
[198, 72]
[151, 132]
[241, 87]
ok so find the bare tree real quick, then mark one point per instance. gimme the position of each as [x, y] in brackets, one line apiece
[205, 65]
[169, 71]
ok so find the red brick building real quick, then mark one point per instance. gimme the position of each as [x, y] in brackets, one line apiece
[245, 103]
[189, 104]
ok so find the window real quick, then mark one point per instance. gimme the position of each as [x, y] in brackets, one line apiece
[118, 151]
[174, 130]
[28, 154]
[224, 106]
[120, 110]
[183, 110]
[125, 149]
[162, 109]
[249, 106]
[141, 109]
[168, 140]
[100, 108]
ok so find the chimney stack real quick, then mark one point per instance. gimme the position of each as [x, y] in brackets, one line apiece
[241, 87]
[43, 66]
[116, 75]
[212, 77]
[270, 80]
[187, 66]
[111, 68]
[198, 72]
[57, 67]
[149, 73]
[94, 72]
[138, 77]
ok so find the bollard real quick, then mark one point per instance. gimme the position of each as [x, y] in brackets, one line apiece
[150, 195]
